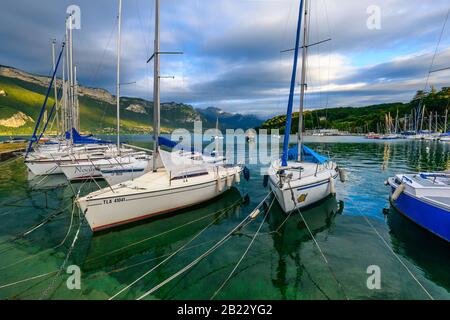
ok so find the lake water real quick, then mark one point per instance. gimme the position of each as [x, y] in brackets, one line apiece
[355, 231]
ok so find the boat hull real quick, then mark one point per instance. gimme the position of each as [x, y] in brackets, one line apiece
[105, 213]
[305, 195]
[80, 172]
[43, 168]
[424, 213]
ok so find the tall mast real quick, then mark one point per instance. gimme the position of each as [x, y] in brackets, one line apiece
[56, 88]
[75, 99]
[63, 99]
[436, 118]
[287, 130]
[422, 116]
[445, 123]
[156, 93]
[119, 35]
[72, 101]
[303, 82]
[68, 85]
[430, 121]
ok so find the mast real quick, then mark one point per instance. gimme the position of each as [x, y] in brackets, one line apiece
[56, 87]
[72, 100]
[430, 120]
[119, 35]
[303, 82]
[75, 98]
[445, 123]
[421, 120]
[287, 130]
[436, 119]
[156, 93]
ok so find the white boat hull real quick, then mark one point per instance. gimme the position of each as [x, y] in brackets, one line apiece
[111, 209]
[80, 171]
[300, 193]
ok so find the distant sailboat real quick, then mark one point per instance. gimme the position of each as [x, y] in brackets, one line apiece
[301, 177]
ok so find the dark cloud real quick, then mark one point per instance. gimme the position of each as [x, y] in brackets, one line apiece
[232, 48]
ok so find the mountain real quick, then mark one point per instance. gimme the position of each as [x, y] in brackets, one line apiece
[364, 119]
[22, 95]
[230, 120]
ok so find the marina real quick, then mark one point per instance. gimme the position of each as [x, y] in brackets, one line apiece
[332, 184]
[356, 230]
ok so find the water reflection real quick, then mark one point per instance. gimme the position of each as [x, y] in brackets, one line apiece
[157, 237]
[289, 238]
[428, 252]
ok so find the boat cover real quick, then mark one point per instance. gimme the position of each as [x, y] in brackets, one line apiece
[308, 155]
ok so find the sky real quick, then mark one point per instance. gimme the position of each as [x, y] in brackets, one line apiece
[232, 49]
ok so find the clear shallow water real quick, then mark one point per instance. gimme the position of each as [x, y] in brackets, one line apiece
[283, 262]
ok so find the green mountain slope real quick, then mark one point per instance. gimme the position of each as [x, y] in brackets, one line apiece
[22, 95]
[363, 119]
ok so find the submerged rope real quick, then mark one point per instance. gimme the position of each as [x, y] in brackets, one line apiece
[392, 251]
[244, 254]
[168, 258]
[316, 243]
[205, 254]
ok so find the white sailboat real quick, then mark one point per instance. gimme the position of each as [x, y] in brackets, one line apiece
[175, 181]
[301, 177]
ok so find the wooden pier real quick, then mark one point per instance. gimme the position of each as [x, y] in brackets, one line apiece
[8, 150]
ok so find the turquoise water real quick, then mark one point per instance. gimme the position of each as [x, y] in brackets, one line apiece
[354, 231]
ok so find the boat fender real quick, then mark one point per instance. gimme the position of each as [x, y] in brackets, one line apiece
[237, 177]
[255, 214]
[398, 192]
[219, 184]
[230, 180]
[342, 175]
[246, 174]
[265, 181]
[332, 188]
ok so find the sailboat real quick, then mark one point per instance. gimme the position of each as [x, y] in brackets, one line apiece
[46, 159]
[301, 177]
[124, 164]
[175, 182]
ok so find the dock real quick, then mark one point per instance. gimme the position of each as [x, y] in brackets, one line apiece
[8, 150]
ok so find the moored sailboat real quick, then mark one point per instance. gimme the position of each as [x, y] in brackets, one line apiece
[301, 177]
[175, 182]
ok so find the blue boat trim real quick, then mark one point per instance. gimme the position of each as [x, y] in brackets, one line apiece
[316, 184]
[429, 216]
[122, 171]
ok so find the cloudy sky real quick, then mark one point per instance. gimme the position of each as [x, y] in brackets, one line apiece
[231, 48]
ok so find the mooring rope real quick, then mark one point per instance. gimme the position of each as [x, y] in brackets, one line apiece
[316, 243]
[205, 254]
[169, 257]
[45, 251]
[244, 254]
[69, 253]
[164, 232]
[392, 251]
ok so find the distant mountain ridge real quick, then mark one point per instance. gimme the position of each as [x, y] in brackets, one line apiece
[230, 120]
[22, 95]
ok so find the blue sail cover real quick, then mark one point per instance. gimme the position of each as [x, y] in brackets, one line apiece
[79, 139]
[173, 145]
[308, 155]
